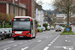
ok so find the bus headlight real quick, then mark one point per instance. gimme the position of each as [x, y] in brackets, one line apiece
[28, 33]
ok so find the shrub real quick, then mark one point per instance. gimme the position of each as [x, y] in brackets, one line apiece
[45, 25]
[39, 30]
[69, 30]
[63, 26]
[46, 28]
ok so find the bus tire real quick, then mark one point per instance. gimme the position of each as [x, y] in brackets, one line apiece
[34, 37]
[15, 38]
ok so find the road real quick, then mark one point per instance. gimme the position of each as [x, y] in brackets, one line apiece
[47, 40]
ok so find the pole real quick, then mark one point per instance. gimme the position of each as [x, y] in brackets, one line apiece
[19, 2]
[28, 7]
[14, 6]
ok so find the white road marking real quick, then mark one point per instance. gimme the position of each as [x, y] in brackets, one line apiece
[55, 39]
[46, 48]
[7, 48]
[25, 48]
[10, 41]
[15, 45]
[39, 41]
[49, 44]
[66, 40]
[65, 47]
[21, 43]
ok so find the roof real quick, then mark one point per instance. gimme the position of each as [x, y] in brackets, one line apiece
[22, 17]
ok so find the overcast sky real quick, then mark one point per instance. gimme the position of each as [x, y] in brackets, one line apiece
[47, 4]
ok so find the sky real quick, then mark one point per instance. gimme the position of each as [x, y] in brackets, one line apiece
[47, 4]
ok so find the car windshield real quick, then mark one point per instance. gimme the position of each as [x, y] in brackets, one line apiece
[21, 25]
[57, 27]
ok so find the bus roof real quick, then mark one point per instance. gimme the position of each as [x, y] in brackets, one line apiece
[22, 17]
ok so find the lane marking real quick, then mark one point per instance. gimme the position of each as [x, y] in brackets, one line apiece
[7, 48]
[39, 41]
[55, 39]
[24, 48]
[10, 41]
[49, 44]
[65, 47]
[46, 48]
[15, 45]
[21, 43]
[66, 40]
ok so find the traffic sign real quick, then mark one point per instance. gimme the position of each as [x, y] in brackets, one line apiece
[67, 29]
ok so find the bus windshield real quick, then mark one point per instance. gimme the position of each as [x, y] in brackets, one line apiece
[21, 25]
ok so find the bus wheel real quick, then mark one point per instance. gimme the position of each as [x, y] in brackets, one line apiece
[34, 37]
[15, 38]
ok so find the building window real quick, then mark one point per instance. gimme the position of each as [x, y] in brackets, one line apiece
[16, 0]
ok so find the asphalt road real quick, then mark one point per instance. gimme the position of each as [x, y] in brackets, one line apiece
[47, 40]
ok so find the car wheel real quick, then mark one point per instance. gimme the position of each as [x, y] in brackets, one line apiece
[2, 38]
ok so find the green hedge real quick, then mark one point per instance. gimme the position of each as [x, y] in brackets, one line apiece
[6, 25]
[38, 30]
[69, 30]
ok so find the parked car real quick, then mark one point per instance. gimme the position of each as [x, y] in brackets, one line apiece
[52, 28]
[58, 28]
[2, 35]
[48, 27]
[41, 28]
[7, 32]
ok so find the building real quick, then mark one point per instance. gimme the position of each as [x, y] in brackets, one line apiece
[18, 7]
[12, 7]
[40, 17]
[30, 5]
[60, 19]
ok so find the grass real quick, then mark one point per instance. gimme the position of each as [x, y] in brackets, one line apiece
[67, 33]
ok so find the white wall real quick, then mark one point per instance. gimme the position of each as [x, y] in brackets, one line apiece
[40, 17]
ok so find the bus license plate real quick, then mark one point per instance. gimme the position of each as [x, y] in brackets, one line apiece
[20, 36]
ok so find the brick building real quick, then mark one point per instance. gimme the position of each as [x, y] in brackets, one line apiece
[30, 5]
[18, 7]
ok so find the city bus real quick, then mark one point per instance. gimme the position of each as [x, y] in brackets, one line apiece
[23, 26]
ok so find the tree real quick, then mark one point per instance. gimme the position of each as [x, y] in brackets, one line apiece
[66, 6]
[45, 25]
[5, 17]
[10, 17]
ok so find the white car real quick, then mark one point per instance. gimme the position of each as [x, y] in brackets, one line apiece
[41, 28]
[52, 27]
[48, 27]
